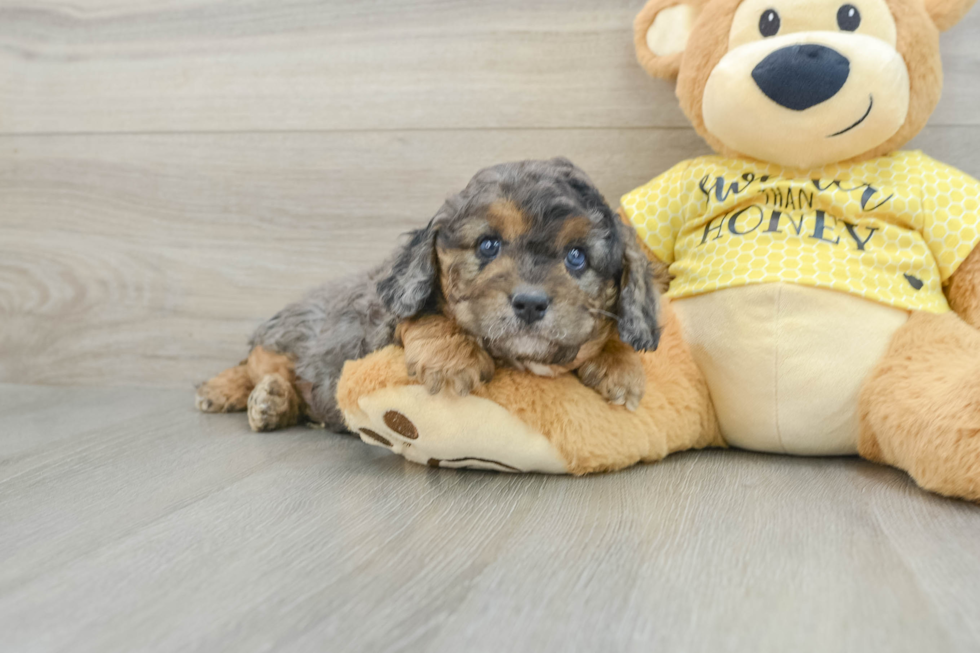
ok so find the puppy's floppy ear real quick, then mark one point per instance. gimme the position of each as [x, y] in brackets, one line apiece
[639, 299]
[583, 186]
[413, 275]
[660, 33]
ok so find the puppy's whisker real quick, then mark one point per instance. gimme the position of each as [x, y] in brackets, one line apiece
[611, 316]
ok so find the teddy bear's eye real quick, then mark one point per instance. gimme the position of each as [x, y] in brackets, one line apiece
[848, 18]
[769, 23]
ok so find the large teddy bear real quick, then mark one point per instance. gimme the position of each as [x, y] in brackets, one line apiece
[825, 292]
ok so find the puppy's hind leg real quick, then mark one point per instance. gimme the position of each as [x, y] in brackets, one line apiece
[226, 393]
[275, 402]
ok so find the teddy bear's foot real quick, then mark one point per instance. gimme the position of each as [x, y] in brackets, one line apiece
[921, 406]
[444, 430]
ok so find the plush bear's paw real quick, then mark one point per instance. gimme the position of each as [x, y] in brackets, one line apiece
[459, 364]
[272, 405]
[617, 375]
[448, 431]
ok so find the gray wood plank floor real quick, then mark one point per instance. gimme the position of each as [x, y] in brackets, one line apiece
[171, 173]
[129, 522]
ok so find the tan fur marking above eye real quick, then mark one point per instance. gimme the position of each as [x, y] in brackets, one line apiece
[574, 229]
[507, 219]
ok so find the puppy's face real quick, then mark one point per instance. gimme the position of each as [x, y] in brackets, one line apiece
[531, 260]
[534, 280]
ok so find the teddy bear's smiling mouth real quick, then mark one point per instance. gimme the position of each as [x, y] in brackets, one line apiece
[867, 113]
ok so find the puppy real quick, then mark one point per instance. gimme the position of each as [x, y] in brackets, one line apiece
[526, 267]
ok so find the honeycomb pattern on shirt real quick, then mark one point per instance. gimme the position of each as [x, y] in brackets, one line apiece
[891, 229]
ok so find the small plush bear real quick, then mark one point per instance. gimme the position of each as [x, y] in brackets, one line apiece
[824, 294]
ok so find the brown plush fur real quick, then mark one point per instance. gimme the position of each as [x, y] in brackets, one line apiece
[675, 413]
[963, 290]
[946, 13]
[920, 409]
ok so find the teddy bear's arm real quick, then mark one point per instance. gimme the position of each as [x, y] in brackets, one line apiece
[963, 290]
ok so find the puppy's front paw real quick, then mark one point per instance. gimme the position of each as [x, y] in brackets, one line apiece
[458, 363]
[616, 374]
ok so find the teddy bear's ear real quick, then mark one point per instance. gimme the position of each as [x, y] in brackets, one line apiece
[946, 13]
[660, 34]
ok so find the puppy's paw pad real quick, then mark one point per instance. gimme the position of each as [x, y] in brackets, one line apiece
[270, 405]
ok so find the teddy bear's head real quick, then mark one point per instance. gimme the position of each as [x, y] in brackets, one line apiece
[801, 83]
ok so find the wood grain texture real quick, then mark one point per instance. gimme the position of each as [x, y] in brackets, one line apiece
[150, 259]
[167, 530]
[208, 65]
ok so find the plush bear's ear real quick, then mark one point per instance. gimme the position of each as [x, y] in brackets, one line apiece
[660, 34]
[946, 13]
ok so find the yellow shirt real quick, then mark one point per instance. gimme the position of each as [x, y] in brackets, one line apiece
[892, 229]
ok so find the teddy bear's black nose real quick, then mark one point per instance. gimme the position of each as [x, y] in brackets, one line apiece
[802, 76]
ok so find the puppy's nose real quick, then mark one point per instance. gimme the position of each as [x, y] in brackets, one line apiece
[530, 306]
[802, 76]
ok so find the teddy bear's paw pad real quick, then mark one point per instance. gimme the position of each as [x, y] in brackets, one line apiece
[449, 431]
[399, 432]
[370, 437]
[474, 463]
[403, 427]
[272, 404]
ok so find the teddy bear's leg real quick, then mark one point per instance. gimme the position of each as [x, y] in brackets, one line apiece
[521, 422]
[920, 408]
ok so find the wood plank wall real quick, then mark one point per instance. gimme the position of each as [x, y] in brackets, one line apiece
[174, 171]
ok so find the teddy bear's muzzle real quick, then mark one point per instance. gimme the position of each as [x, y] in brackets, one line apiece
[802, 76]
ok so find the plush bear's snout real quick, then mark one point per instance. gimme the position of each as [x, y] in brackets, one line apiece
[802, 76]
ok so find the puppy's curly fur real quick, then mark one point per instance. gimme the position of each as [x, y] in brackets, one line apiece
[456, 297]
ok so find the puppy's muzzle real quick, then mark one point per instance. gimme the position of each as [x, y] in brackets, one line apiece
[530, 306]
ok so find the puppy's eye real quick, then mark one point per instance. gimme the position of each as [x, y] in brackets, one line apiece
[848, 18]
[489, 247]
[770, 23]
[575, 259]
